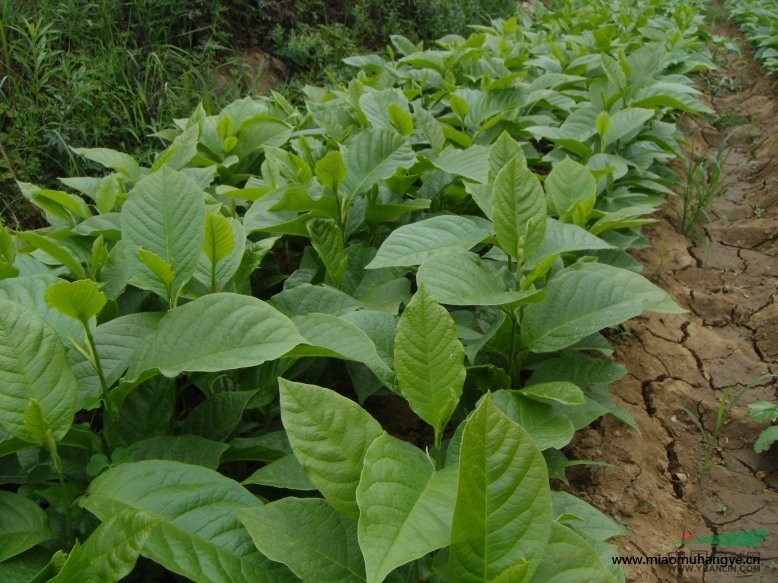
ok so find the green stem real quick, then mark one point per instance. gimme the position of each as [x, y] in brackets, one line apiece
[51, 445]
[113, 417]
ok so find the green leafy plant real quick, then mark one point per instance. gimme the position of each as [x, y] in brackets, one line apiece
[765, 411]
[448, 230]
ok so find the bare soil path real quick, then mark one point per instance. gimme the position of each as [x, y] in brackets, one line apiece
[679, 366]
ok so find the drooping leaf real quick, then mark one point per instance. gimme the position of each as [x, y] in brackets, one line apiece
[37, 387]
[568, 557]
[118, 161]
[518, 210]
[110, 552]
[165, 215]
[578, 303]
[502, 517]
[412, 244]
[78, 299]
[429, 360]
[308, 535]
[58, 252]
[217, 332]
[330, 435]
[285, 472]
[23, 525]
[471, 163]
[198, 534]
[463, 279]
[187, 449]
[405, 506]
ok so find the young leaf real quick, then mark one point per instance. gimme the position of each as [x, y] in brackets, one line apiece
[502, 516]
[417, 521]
[218, 238]
[23, 526]
[78, 299]
[327, 239]
[110, 552]
[217, 332]
[161, 269]
[164, 214]
[429, 360]
[330, 170]
[400, 119]
[413, 243]
[374, 155]
[37, 387]
[198, 534]
[330, 435]
[518, 210]
[308, 535]
[569, 183]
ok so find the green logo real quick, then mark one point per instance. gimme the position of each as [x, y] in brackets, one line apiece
[741, 538]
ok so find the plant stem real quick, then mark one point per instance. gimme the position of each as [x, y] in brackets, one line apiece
[112, 415]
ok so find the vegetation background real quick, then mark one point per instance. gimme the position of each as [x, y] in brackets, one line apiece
[111, 73]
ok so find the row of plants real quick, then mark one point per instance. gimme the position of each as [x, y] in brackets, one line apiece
[114, 72]
[758, 22]
[191, 350]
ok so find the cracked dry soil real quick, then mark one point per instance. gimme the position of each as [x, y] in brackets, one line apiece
[680, 365]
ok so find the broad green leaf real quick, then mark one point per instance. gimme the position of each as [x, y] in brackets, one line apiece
[330, 170]
[217, 332]
[653, 298]
[504, 149]
[218, 242]
[613, 71]
[198, 534]
[58, 252]
[578, 368]
[306, 299]
[187, 449]
[518, 210]
[7, 246]
[569, 183]
[374, 155]
[31, 566]
[405, 506]
[329, 435]
[766, 439]
[285, 472]
[23, 525]
[217, 416]
[471, 163]
[603, 123]
[585, 519]
[546, 425]
[164, 214]
[110, 552]
[502, 515]
[308, 535]
[568, 557]
[78, 299]
[578, 303]
[463, 279]
[564, 238]
[29, 291]
[118, 161]
[562, 392]
[429, 360]
[327, 238]
[412, 244]
[260, 132]
[36, 382]
[625, 122]
[328, 335]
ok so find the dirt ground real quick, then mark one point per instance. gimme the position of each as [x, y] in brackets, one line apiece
[680, 365]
